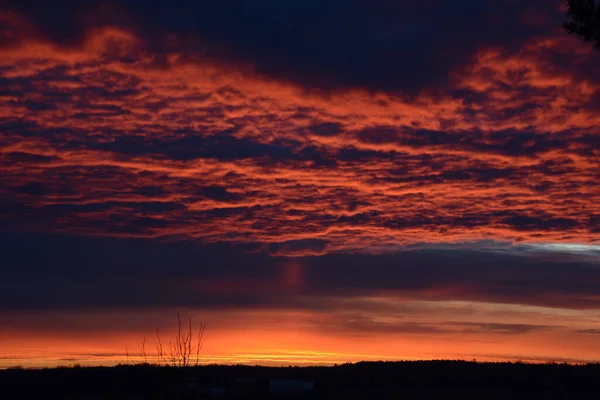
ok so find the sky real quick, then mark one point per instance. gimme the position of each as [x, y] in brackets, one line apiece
[318, 181]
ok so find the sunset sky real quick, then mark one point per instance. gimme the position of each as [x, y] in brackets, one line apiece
[319, 181]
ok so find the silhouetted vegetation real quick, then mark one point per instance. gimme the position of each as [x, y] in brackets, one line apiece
[584, 20]
[365, 380]
[181, 351]
[184, 350]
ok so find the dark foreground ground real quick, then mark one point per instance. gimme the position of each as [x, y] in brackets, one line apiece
[397, 380]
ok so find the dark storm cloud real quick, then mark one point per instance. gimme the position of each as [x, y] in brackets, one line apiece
[61, 272]
[332, 44]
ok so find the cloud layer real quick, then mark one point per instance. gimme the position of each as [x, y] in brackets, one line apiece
[94, 145]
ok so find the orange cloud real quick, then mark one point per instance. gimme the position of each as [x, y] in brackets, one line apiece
[389, 171]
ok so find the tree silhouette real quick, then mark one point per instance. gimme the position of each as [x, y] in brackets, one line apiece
[184, 351]
[584, 20]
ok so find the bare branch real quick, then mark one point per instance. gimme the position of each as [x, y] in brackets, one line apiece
[142, 348]
[182, 351]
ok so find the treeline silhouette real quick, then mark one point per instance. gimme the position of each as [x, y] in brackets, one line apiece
[583, 20]
[364, 380]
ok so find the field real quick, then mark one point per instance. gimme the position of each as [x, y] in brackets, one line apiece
[373, 380]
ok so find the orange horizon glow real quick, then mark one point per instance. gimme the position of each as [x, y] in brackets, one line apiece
[309, 338]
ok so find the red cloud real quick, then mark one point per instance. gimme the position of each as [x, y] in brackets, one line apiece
[99, 139]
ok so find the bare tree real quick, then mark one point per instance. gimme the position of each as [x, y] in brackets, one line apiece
[584, 20]
[184, 349]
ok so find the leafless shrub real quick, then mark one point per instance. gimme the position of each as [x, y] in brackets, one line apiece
[181, 351]
[184, 349]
